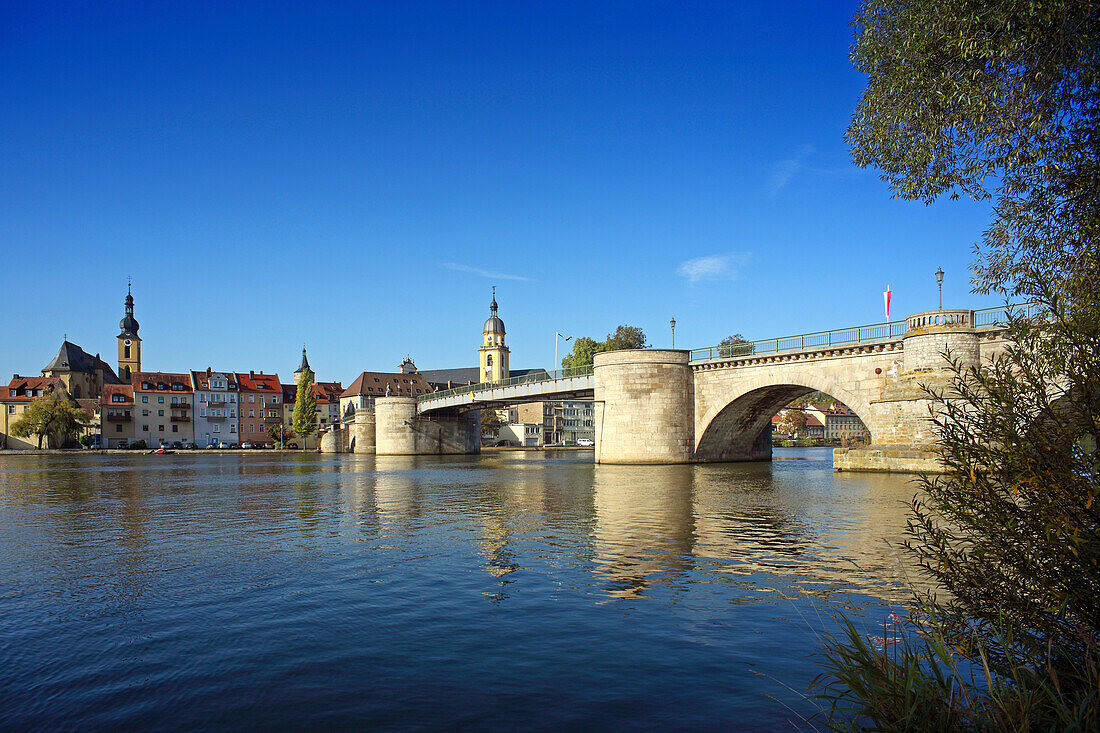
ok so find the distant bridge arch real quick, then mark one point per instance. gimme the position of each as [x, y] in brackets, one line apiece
[742, 427]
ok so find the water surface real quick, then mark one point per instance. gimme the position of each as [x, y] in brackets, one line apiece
[511, 590]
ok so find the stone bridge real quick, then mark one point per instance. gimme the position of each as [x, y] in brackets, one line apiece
[669, 406]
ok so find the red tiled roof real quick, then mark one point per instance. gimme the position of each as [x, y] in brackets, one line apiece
[154, 380]
[259, 382]
[323, 392]
[126, 390]
[375, 383]
[22, 384]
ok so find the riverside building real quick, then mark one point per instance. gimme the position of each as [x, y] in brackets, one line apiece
[260, 404]
[216, 407]
[163, 404]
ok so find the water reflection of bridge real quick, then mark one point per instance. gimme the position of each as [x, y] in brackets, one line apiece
[512, 519]
[645, 530]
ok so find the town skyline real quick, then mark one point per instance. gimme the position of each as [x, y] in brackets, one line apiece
[615, 174]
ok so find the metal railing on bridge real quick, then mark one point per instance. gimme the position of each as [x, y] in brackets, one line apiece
[844, 336]
[538, 376]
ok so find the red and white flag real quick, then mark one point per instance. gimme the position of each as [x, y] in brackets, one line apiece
[886, 300]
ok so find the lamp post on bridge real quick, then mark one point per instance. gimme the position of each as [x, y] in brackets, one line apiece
[939, 284]
[557, 364]
[673, 324]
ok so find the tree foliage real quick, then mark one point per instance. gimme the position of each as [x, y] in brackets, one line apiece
[734, 345]
[305, 407]
[997, 100]
[280, 433]
[792, 423]
[989, 100]
[625, 337]
[52, 414]
[585, 349]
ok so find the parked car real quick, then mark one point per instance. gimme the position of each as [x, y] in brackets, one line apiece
[292, 446]
[176, 445]
[249, 445]
[586, 442]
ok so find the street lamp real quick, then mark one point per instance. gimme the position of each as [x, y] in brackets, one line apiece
[557, 364]
[673, 324]
[939, 283]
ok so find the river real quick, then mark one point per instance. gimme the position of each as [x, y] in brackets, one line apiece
[511, 590]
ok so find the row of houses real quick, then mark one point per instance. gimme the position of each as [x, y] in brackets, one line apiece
[824, 422]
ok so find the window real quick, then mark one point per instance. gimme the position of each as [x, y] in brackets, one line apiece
[251, 398]
[252, 413]
[145, 413]
[160, 399]
[232, 428]
[173, 400]
[11, 410]
[145, 428]
[175, 428]
[160, 413]
[202, 412]
[217, 428]
[118, 428]
[160, 428]
[145, 398]
[145, 385]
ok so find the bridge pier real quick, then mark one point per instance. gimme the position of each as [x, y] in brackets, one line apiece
[399, 432]
[901, 421]
[644, 407]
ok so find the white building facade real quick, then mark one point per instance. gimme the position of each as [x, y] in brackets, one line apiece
[216, 419]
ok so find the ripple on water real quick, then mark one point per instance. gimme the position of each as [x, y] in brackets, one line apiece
[508, 590]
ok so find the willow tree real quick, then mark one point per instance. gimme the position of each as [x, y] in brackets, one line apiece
[305, 408]
[996, 101]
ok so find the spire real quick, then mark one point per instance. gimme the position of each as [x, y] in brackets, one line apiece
[304, 366]
[128, 324]
[493, 305]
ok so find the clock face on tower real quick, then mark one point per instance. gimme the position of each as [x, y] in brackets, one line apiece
[127, 342]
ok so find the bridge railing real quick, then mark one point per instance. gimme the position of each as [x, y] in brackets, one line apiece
[538, 376]
[843, 336]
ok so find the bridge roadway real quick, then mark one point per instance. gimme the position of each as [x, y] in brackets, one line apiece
[578, 383]
[566, 384]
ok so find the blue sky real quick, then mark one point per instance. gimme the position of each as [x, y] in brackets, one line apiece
[357, 176]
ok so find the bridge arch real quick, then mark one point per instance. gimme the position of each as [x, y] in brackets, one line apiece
[732, 428]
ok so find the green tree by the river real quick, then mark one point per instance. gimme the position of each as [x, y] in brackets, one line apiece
[1001, 101]
[305, 408]
[52, 414]
[585, 348]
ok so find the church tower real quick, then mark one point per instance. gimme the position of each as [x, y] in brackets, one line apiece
[129, 344]
[493, 353]
[303, 367]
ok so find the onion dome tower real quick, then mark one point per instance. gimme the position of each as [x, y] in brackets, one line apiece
[129, 343]
[493, 354]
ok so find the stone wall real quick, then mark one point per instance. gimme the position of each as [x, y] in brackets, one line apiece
[362, 432]
[897, 459]
[399, 432]
[644, 411]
